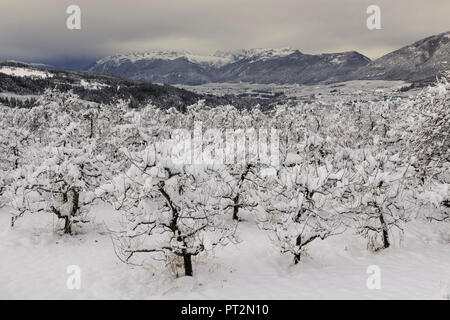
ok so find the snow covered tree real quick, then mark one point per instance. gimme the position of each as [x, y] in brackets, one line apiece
[15, 143]
[430, 130]
[170, 209]
[59, 180]
[238, 182]
[299, 205]
[378, 198]
[432, 200]
[426, 123]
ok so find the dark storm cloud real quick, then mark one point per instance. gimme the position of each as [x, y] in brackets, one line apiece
[36, 30]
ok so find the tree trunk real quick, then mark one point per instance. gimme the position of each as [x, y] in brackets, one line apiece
[73, 212]
[384, 227]
[187, 264]
[91, 135]
[75, 202]
[67, 225]
[236, 198]
[236, 208]
[298, 242]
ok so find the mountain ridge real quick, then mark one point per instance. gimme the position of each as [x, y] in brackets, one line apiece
[249, 65]
[421, 61]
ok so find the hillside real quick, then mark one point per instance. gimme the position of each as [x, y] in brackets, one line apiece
[286, 66]
[420, 61]
[22, 81]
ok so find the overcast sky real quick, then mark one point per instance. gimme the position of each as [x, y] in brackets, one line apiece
[35, 30]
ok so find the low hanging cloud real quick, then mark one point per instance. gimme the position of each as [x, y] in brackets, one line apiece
[36, 30]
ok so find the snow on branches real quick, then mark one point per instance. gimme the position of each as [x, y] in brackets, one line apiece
[300, 206]
[371, 166]
[59, 180]
[378, 197]
[169, 209]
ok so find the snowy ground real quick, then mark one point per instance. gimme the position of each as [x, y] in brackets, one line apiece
[25, 72]
[34, 260]
[366, 90]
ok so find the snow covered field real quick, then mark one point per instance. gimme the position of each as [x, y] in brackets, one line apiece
[24, 72]
[35, 257]
[358, 201]
[369, 90]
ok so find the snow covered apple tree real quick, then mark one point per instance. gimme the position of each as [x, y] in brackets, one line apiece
[426, 125]
[14, 139]
[248, 154]
[59, 180]
[170, 209]
[430, 126]
[379, 197]
[237, 184]
[15, 143]
[427, 135]
[299, 206]
[433, 201]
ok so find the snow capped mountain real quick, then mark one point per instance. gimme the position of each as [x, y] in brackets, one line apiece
[256, 54]
[217, 60]
[167, 55]
[283, 65]
[422, 60]
[294, 68]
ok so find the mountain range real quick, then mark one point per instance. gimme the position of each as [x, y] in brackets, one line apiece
[146, 77]
[420, 61]
[255, 66]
